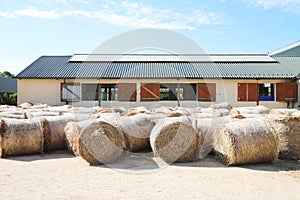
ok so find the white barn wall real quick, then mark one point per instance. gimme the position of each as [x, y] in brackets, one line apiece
[48, 91]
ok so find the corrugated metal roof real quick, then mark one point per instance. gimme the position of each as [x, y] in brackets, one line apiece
[256, 58]
[59, 67]
[290, 50]
[8, 85]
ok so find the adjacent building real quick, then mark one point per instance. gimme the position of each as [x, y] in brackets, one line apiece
[153, 80]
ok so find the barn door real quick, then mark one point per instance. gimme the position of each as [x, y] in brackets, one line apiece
[247, 91]
[207, 92]
[286, 91]
[150, 92]
[127, 91]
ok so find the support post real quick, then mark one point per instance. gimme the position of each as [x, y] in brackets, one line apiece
[99, 94]
[178, 92]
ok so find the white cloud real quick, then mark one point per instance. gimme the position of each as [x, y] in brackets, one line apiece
[126, 13]
[33, 12]
[286, 5]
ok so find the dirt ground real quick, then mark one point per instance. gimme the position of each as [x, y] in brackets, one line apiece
[62, 176]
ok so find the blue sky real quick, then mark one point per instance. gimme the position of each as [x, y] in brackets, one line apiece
[31, 28]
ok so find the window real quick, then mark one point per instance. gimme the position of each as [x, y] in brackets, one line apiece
[70, 92]
[89, 92]
[109, 92]
[169, 91]
[207, 92]
[266, 92]
[247, 92]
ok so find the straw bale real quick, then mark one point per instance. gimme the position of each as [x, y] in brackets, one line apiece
[101, 143]
[72, 132]
[245, 141]
[175, 140]
[223, 105]
[137, 130]
[287, 129]
[21, 137]
[206, 128]
[283, 111]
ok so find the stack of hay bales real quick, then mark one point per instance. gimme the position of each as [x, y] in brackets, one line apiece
[246, 141]
[102, 141]
[175, 140]
[287, 129]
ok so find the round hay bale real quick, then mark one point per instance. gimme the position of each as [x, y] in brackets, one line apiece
[137, 130]
[206, 127]
[174, 114]
[164, 110]
[21, 137]
[243, 110]
[54, 132]
[72, 132]
[120, 110]
[101, 143]
[287, 129]
[174, 140]
[132, 113]
[262, 109]
[246, 141]
[223, 105]
[26, 105]
[30, 115]
[283, 111]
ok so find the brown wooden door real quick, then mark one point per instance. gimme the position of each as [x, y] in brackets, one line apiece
[252, 92]
[207, 92]
[150, 92]
[127, 91]
[242, 91]
[286, 91]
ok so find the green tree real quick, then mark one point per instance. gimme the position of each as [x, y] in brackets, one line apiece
[6, 74]
[9, 99]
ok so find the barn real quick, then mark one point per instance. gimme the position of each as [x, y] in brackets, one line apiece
[153, 80]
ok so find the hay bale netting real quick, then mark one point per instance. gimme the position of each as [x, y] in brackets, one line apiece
[72, 132]
[246, 141]
[253, 110]
[137, 130]
[101, 142]
[175, 140]
[287, 129]
[21, 137]
[54, 132]
[223, 105]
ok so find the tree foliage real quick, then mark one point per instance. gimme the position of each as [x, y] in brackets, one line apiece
[9, 99]
[6, 74]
